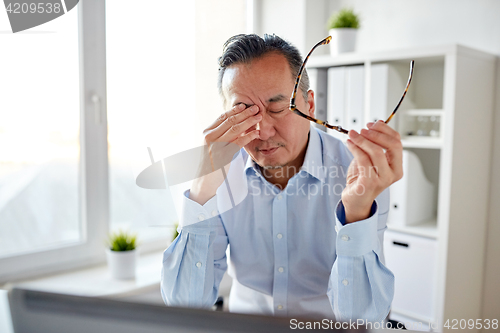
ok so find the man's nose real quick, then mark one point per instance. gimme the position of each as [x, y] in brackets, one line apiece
[266, 127]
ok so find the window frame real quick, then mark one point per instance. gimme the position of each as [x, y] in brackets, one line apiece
[94, 200]
[93, 161]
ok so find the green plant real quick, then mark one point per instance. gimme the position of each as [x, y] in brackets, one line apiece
[345, 18]
[175, 233]
[122, 241]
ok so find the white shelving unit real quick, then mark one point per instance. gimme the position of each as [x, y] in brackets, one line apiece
[455, 83]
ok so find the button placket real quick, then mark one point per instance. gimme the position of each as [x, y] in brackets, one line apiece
[279, 223]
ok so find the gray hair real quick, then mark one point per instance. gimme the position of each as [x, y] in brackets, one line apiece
[245, 48]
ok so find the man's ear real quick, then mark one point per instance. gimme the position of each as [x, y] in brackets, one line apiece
[310, 102]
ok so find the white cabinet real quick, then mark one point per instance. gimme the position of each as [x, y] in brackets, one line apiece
[346, 86]
[412, 199]
[453, 87]
[413, 260]
[318, 83]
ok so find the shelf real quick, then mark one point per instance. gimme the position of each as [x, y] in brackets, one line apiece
[421, 54]
[422, 142]
[425, 229]
[424, 112]
[448, 82]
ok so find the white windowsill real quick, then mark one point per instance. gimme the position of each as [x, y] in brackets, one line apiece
[96, 281]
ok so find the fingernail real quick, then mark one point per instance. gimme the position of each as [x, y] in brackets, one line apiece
[254, 109]
[353, 134]
[258, 116]
[240, 106]
[369, 124]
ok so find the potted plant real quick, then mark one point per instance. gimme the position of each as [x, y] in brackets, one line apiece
[121, 253]
[175, 233]
[343, 27]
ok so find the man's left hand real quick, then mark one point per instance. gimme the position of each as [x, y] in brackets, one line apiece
[377, 163]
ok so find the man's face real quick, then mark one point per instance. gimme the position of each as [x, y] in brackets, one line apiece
[268, 83]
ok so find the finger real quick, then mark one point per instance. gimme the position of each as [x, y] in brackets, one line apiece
[234, 120]
[236, 124]
[246, 138]
[361, 158]
[391, 144]
[238, 129]
[381, 126]
[375, 154]
[382, 139]
[234, 111]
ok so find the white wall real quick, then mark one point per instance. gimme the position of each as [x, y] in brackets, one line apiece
[394, 24]
[390, 24]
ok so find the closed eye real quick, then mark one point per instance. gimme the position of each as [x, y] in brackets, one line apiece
[276, 111]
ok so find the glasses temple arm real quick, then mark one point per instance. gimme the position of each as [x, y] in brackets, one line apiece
[297, 81]
[404, 93]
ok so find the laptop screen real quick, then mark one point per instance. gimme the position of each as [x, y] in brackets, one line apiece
[36, 311]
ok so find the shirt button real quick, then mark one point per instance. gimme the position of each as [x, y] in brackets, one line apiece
[280, 307]
[198, 264]
[345, 238]
[345, 282]
[279, 236]
[201, 217]
[214, 213]
[280, 269]
[279, 197]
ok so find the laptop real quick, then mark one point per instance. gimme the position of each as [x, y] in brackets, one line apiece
[37, 311]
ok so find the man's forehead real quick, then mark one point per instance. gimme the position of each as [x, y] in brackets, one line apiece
[265, 73]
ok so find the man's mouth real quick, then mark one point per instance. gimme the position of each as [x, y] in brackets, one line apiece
[268, 151]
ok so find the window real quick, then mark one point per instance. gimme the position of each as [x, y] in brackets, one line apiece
[161, 92]
[39, 145]
[51, 208]
[72, 144]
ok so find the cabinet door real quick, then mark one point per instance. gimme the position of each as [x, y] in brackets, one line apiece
[336, 98]
[355, 97]
[412, 259]
[379, 82]
[318, 84]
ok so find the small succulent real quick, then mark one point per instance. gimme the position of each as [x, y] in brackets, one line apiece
[122, 241]
[345, 18]
[175, 233]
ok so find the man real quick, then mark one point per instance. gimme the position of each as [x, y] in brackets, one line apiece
[306, 240]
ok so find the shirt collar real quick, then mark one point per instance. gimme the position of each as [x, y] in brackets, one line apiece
[313, 161]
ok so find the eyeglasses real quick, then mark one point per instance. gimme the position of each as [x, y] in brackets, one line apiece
[294, 109]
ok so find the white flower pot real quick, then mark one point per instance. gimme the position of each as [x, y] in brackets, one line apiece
[122, 263]
[343, 40]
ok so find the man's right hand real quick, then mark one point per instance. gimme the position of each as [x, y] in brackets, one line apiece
[233, 130]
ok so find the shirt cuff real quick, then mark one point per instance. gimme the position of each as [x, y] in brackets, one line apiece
[357, 238]
[193, 212]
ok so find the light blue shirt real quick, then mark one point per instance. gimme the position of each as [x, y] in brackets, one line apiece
[290, 252]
